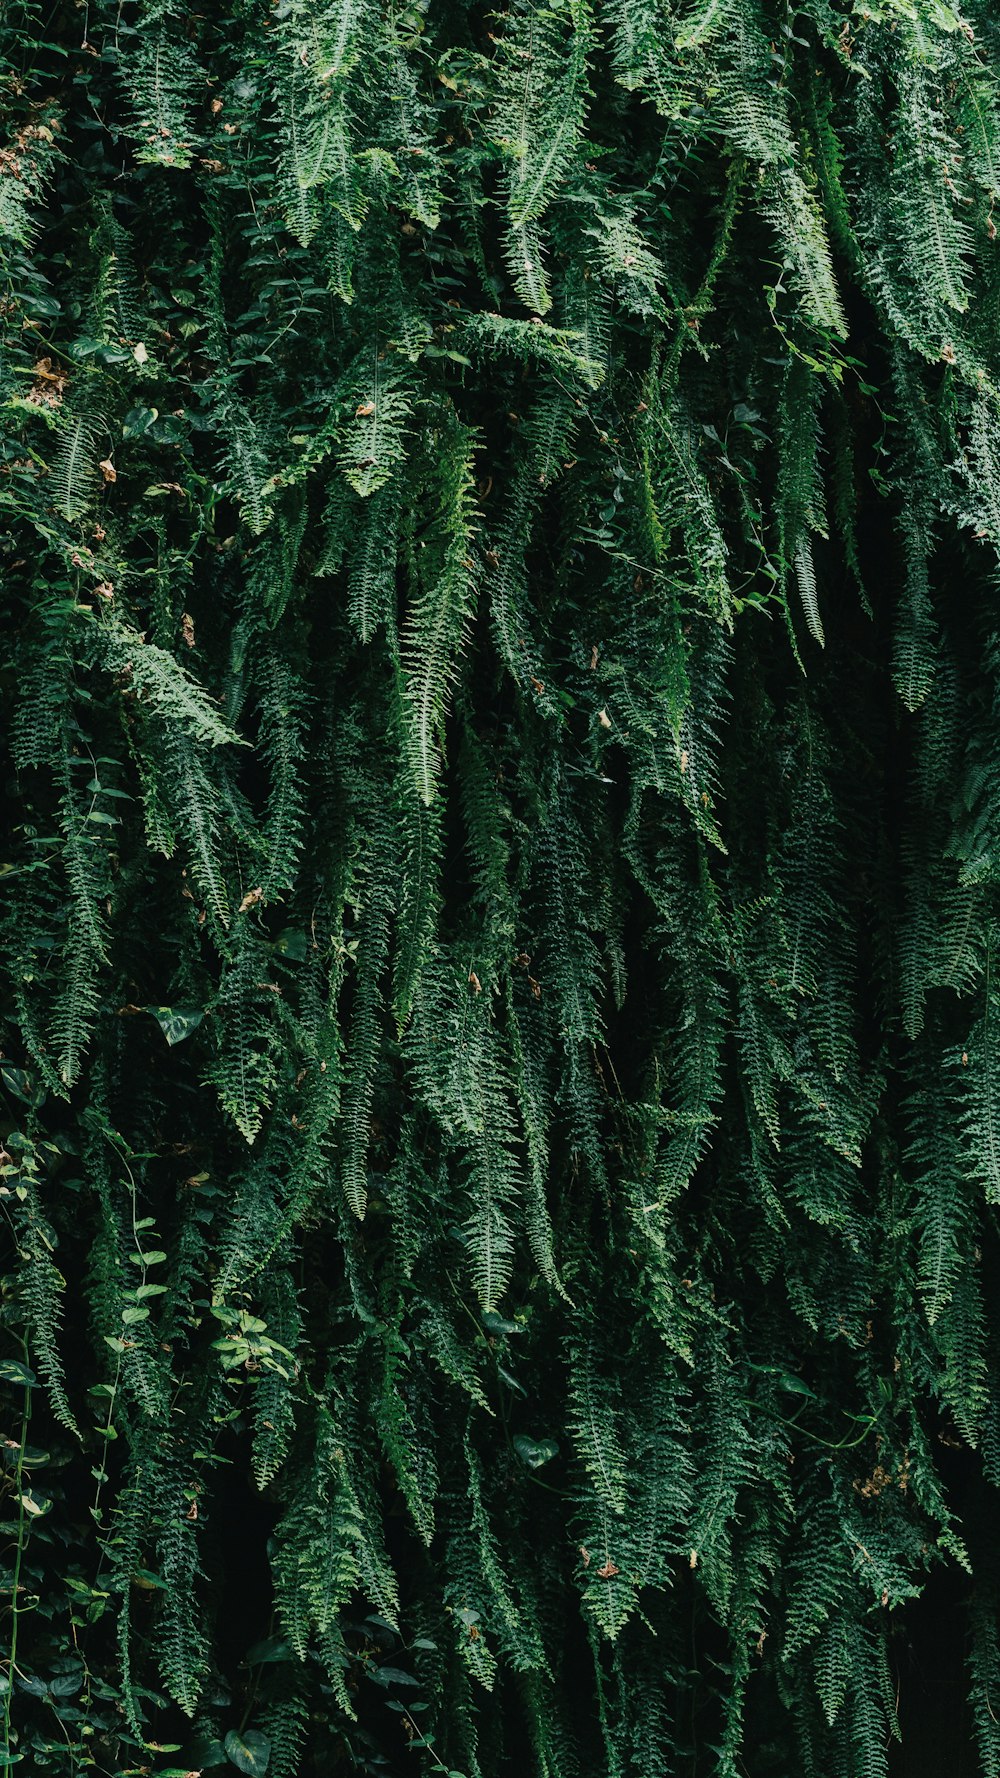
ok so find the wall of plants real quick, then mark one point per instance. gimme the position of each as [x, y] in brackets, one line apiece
[501, 1043]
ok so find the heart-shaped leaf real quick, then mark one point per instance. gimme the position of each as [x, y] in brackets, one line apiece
[391, 1676]
[18, 1374]
[535, 1452]
[177, 1022]
[274, 1648]
[22, 1084]
[249, 1752]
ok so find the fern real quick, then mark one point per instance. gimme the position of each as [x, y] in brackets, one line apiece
[540, 343]
[244, 1072]
[74, 470]
[280, 746]
[372, 442]
[363, 1044]
[913, 665]
[681, 496]
[801, 506]
[982, 1662]
[161, 681]
[797, 222]
[30, 159]
[980, 1076]
[435, 627]
[42, 1287]
[162, 80]
[537, 127]
[197, 810]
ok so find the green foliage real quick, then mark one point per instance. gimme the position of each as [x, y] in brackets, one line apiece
[500, 1072]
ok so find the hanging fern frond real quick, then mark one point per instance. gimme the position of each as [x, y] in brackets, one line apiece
[435, 627]
[371, 442]
[74, 467]
[537, 126]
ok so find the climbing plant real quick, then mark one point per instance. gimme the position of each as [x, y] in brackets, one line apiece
[501, 1051]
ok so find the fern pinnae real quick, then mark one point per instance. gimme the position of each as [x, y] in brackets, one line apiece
[805, 575]
[419, 909]
[540, 69]
[980, 1067]
[493, 1184]
[595, 1429]
[42, 1287]
[198, 813]
[798, 223]
[364, 1044]
[701, 22]
[74, 471]
[436, 625]
[371, 442]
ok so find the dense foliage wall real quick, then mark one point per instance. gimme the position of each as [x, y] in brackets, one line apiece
[501, 1087]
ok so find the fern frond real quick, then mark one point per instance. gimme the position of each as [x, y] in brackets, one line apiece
[681, 496]
[280, 745]
[372, 571]
[801, 504]
[916, 630]
[363, 1046]
[797, 221]
[246, 460]
[245, 1067]
[537, 125]
[74, 469]
[498, 335]
[435, 627]
[197, 811]
[371, 442]
[42, 1288]
[160, 680]
[163, 83]
[943, 1213]
[979, 1067]
[29, 161]
[983, 1657]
